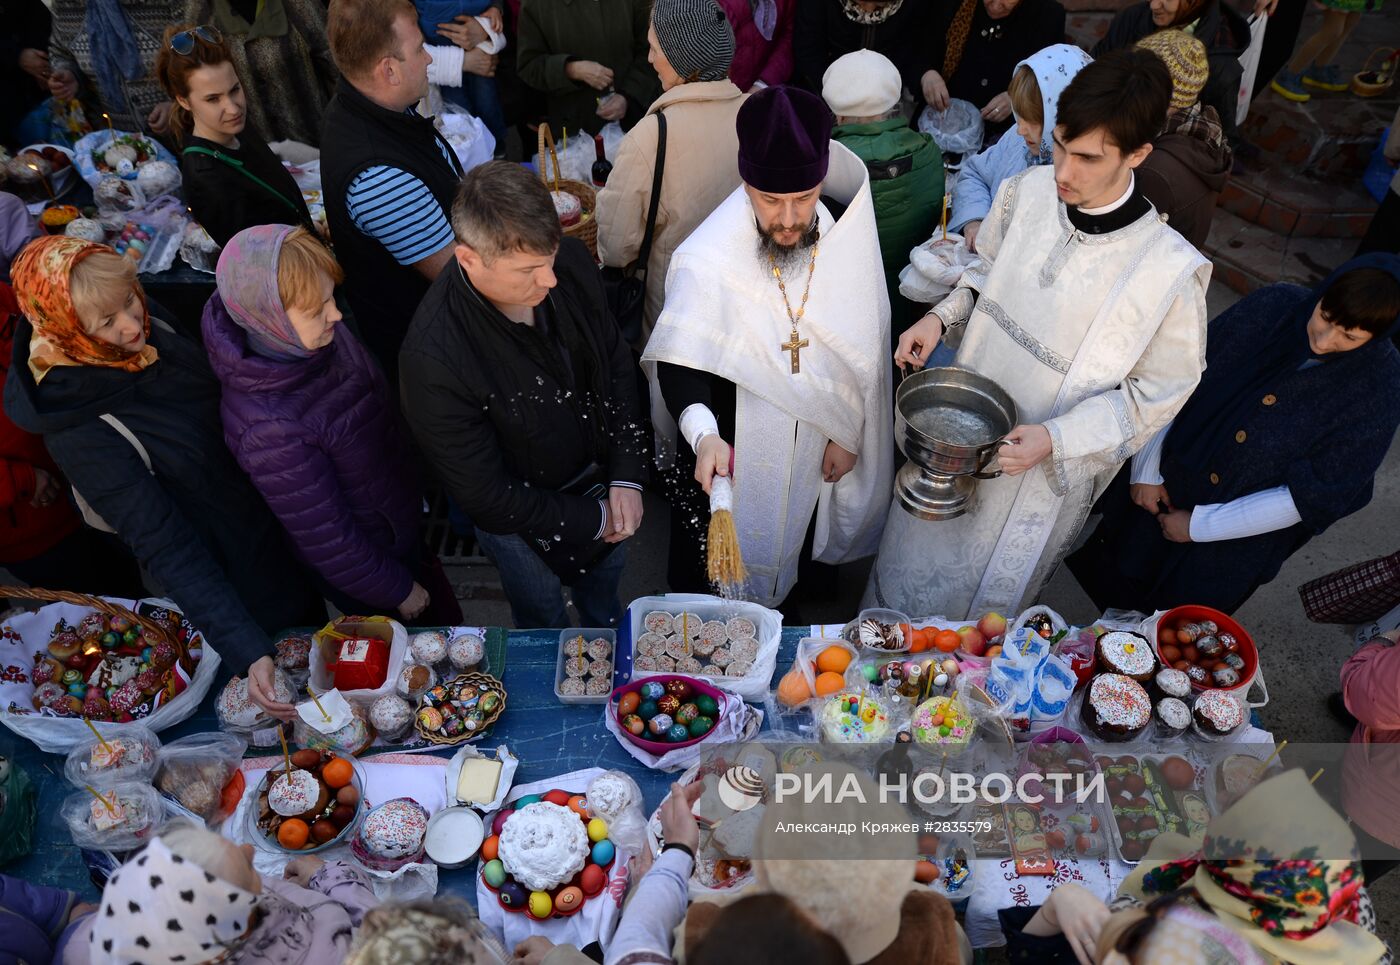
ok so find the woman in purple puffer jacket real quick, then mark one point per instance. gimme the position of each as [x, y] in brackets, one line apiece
[307, 414]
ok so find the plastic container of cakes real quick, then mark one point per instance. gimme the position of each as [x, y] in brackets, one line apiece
[583, 672]
[729, 643]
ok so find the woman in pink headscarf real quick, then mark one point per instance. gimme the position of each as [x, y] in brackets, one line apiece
[307, 414]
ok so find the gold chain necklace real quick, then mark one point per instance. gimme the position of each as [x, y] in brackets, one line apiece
[795, 344]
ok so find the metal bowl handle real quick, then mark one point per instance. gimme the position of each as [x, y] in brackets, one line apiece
[987, 457]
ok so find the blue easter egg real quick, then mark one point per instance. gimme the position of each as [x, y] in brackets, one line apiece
[603, 852]
[146, 654]
[527, 800]
[110, 639]
[653, 690]
[78, 689]
[678, 733]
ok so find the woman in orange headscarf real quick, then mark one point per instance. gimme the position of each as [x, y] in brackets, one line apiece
[130, 411]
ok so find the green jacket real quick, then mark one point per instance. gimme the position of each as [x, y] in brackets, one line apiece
[610, 32]
[906, 180]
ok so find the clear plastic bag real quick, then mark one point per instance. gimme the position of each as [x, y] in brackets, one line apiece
[957, 129]
[935, 268]
[627, 827]
[194, 771]
[127, 752]
[135, 813]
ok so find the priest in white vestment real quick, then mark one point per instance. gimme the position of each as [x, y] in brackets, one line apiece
[770, 342]
[1090, 311]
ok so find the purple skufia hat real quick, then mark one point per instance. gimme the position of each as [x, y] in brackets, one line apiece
[784, 140]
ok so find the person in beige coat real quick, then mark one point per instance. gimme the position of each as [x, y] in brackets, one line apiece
[691, 48]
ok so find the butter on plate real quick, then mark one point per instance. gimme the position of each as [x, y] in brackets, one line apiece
[478, 779]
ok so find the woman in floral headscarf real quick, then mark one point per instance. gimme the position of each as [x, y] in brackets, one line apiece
[130, 412]
[1276, 881]
[308, 416]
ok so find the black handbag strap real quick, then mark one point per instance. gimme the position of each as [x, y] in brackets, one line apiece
[644, 253]
[239, 166]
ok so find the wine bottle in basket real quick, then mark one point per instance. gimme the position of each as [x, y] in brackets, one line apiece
[602, 167]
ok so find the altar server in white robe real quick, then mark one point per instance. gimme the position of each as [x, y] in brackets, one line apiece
[1090, 311]
[769, 341]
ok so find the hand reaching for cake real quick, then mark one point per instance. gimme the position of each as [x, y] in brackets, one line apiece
[261, 689]
[677, 821]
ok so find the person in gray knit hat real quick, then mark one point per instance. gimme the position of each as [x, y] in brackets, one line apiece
[691, 47]
[694, 39]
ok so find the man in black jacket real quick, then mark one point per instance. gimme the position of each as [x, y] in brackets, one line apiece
[521, 393]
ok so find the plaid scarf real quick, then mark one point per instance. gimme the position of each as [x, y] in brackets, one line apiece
[1203, 123]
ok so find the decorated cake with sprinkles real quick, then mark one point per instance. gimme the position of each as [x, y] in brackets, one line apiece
[1116, 708]
[944, 722]
[854, 719]
[1217, 713]
[684, 642]
[392, 833]
[1128, 654]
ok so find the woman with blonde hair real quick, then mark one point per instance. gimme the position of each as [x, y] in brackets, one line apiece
[307, 414]
[129, 410]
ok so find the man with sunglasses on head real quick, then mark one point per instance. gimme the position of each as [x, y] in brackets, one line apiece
[387, 175]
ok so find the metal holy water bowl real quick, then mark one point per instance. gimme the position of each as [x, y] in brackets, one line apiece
[949, 423]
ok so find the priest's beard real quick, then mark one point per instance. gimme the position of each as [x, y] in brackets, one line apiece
[786, 256]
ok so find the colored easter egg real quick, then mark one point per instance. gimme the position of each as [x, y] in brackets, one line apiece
[494, 872]
[597, 829]
[708, 706]
[870, 671]
[579, 805]
[540, 904]
[701, 726]
[593, 880]
[568, 901]
[680, 689]
[512, 895]
[490, 848]
[669, 704]
[527, 800]
[603, 852]
[110, 639]
[652, 690]
[130, 637]
[686, 713]
[647, 709]
[678, 733]
[558, 797]
[634, 725]
[500, 819]
[628, 703]
[660, 724]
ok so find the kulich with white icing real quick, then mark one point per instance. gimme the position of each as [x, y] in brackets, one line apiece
[1217, 712]
[295, 793]
[543, 845]
[395, 829]
[1122, 652]
[1116, 707]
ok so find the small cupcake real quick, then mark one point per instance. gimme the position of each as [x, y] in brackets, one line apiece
[414, 681]
[739, 628]
[573, 647]
[1172, 716]
[466, 651]
[576, 666]
[600, 649]
[745, 649]
[1173, 683]
[645, 663]
[571, 686]
[739, 668]
[714, 631]
[428, 647]
[658, 621]
[689, 665]
[600, 668]
[688, 624]
[705, 647]
[721, 657]
[598, 686]
[665, 664]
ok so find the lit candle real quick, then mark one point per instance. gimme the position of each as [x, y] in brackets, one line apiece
[42, 177]
[111, 134]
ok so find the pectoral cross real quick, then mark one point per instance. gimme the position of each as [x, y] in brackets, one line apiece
[793, 346]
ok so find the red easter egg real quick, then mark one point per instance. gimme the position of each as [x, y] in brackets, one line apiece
[558, 797]
[569, 900]
[593, 880]
[500, 820]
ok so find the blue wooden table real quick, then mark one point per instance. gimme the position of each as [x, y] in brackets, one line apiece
[548, 737]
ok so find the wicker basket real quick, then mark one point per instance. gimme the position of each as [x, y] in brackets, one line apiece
[1373, 83]
[586, 230]
[484, 680]
[157, 631]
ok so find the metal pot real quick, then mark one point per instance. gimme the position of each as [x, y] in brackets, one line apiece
[949, 422]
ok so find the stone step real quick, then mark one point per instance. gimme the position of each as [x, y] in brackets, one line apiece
[1291, 204]
[1331, 137]
[1248, 256]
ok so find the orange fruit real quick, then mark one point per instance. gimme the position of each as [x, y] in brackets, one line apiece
[337, 772]
[793, 689]
[829, 683]
[835, 659]
[947, 640]
[489, 848]
[293, 834]
[993, 651]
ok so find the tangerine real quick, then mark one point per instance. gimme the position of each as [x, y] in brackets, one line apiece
[793, 689]
[490, 848]
[947, 640]
[293, 834]
[829, 683]
[834, 659]
[337, 772]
